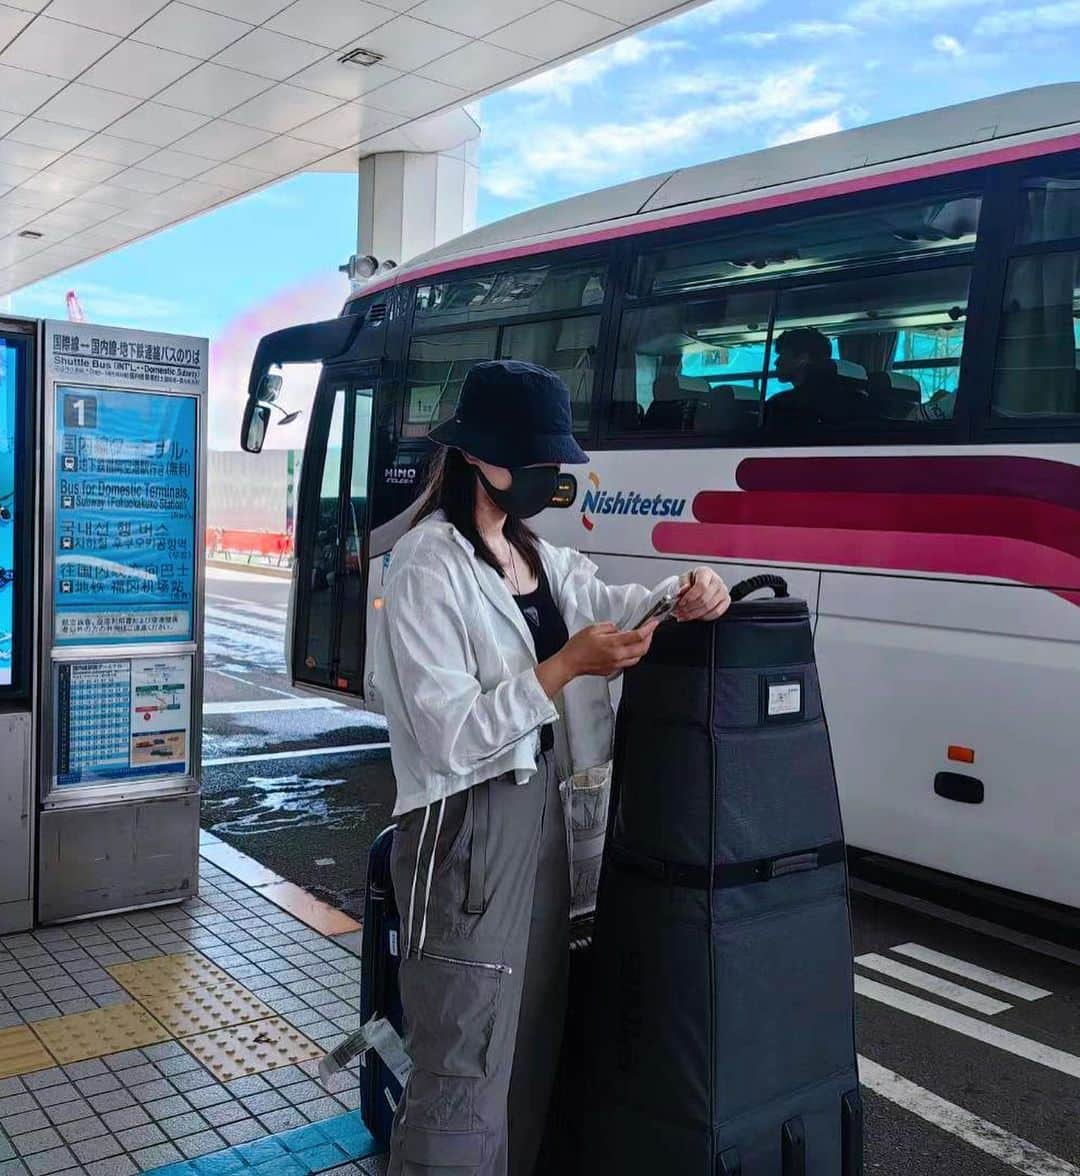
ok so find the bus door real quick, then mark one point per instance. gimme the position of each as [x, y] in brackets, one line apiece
[332, 527]
[324, 644]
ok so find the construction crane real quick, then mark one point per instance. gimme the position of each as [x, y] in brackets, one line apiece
[74, 308]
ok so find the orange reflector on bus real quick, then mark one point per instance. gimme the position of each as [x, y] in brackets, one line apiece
[377, 602]
[961, 755]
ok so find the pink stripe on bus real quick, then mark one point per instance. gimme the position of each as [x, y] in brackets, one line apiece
[980, 556]
[901, 175]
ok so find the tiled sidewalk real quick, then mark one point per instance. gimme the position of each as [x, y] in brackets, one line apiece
[148, 1107]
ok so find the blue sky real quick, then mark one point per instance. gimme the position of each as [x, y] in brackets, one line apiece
[730, 77]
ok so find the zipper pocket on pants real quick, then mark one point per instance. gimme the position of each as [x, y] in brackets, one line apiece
[505, 969]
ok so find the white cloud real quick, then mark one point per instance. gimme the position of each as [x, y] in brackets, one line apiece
[828, 124]
[807, 30]
[592, 154]
[907, 10]
[947, 45]
[507, 181]
[560, 82]
[1044, 18]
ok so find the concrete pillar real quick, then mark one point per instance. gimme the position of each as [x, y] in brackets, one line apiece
[411, 201]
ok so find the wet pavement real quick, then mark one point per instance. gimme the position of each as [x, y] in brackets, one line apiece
[287, 778]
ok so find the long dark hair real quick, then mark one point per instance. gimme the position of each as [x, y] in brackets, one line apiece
[451, 487]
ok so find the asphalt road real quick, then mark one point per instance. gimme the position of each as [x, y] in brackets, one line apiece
[969, 1034]
[275, 784]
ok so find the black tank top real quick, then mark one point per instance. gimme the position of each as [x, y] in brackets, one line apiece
[548, 630]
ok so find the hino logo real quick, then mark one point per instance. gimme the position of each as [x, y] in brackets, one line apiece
[626, 502]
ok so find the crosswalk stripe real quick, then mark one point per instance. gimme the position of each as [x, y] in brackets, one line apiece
[979, 1133]
[1014, 1043]
[249, 606]
[957, 993]
[251, 706]
[235, 618]
[943, 914]
[305, 754]
[949, 963]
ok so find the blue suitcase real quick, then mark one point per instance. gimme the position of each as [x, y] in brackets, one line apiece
[379, 996]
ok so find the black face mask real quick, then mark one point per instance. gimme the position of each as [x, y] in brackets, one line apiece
[530, 491]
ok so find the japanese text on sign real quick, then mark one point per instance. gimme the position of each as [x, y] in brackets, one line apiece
[94, 353]
[125, 499]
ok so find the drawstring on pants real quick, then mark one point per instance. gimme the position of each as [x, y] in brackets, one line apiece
[412, 890]
[430, 873]
[427, 885]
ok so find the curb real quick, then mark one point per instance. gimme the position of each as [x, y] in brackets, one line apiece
[312, 911]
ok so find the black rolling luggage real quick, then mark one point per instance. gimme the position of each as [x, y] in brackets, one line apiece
[721, 1039]
[379, 996]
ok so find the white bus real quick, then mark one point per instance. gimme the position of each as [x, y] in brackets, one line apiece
[933, 524]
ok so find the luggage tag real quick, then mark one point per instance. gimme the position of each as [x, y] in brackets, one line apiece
[378, 1034]
[783, 698]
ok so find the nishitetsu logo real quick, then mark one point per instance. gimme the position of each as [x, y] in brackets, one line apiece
[626, 502]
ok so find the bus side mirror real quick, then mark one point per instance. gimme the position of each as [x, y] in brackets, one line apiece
[253, 432]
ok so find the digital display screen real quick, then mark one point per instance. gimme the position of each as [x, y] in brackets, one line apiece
[10, 375]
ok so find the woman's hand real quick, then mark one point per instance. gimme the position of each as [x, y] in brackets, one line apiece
[703, 596]
[601, 649]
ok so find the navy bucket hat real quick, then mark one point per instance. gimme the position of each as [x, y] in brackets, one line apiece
[513, 414]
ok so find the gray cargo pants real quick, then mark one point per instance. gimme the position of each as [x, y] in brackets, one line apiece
[483, 975]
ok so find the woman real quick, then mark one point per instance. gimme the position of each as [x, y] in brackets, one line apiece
[492, 664]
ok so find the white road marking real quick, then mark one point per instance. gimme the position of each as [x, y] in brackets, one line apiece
[265, 610]
[949, 963]
[246, 622]
[254, 705]
[970, 922]
[979, 1133]
[237, 575]
[247, 682]
[946, 989]
[279, 755]
[1021, 1047]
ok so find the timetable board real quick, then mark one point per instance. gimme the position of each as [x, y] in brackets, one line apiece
[122, 719]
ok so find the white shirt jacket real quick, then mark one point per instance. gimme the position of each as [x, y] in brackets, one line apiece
[454, 665]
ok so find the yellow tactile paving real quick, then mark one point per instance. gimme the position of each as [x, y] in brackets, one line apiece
[185, 969]
[188, 994]
[104, 1031]
[21, 1052]
[250, 1049]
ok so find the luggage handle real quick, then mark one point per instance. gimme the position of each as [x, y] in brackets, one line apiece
[755, 583]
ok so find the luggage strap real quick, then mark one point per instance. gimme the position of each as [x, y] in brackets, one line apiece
[727, 873]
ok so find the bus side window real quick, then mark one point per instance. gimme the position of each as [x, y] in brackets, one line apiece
[1038, 358]
[1038, 355]
[868, 351]
[437, 367]
[692, 367]
[567, 347]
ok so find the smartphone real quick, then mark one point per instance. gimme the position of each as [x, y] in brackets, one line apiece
[661, 610]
